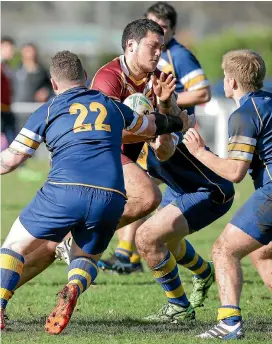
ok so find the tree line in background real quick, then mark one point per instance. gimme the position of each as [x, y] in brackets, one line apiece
[210, 50]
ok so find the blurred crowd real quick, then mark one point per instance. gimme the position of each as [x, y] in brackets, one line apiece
[23, 79]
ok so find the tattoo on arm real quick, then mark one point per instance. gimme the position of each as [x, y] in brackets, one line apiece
[10, 159]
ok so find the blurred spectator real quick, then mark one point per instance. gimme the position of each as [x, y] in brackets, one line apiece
[31, 80]
[7, 53]
[8, 130]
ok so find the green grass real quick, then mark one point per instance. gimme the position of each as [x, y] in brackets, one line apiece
[111, 311]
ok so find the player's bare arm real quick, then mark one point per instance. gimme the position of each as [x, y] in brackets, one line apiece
[191, 98]
[164, 147]
[232, 170]
[11, 159]
[155, 124]
[164, 88]
[129, 137]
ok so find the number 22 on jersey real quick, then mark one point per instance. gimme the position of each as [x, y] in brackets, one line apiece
[82, 112]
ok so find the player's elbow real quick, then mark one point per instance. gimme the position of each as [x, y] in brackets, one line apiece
[206, 94]
[236, 177]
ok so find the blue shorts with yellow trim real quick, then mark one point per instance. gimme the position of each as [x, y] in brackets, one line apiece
[91, 214]
[255, 216]
[198, 207]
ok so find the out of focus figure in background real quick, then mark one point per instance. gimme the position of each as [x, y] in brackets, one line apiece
[7, 117]
[7, 53]
[31, 80]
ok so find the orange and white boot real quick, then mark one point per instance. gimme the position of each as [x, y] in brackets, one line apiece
[60, 317]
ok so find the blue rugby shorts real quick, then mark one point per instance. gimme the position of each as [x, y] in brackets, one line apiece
[91, 214]
[199, 208]
[255, 216]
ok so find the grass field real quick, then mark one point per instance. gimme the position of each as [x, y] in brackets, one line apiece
[111, 311]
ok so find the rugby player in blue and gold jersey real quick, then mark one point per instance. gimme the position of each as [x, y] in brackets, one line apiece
[249, 149]
[84, 193]
[192, 85]
[194, 198]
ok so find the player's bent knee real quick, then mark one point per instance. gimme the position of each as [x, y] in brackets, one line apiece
[49, 249]
[216, 249]
[151, 199]
[137, 208]
[147, 242]
[221, 248]
[45, 253]
[144, 195]
[155, 199]
[143, 241]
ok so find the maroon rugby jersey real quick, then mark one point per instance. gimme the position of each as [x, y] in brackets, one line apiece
[114, 80]
[5, 90]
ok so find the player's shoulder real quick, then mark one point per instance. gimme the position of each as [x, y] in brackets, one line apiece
[97, 96]
[241, 111]
[113, 66]
[177, 48]
[109, 73]
[43, 109]
[263, 99]
[242, 115]
[254, 102]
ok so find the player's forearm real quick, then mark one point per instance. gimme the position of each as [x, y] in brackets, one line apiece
[191, 98]
[131, 138]
[169, 107]
[225, 168]
[164, 153]
[10, 160]
[156, 124]
[5, 166]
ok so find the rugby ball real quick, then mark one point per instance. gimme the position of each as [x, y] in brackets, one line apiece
[139, 103]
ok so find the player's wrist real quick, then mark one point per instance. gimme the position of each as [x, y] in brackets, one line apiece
[167, 124]
[165, 104]
[165, 153]
[200, 153]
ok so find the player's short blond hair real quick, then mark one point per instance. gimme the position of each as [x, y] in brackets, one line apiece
[246, 67]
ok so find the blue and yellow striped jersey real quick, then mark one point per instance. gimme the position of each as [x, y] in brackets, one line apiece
[83, 131]
[250, 135]
[180, 62]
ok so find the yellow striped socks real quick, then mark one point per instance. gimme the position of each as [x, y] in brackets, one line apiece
[11, 268]
[166, 274]
[124, 251]
[135, 259]
[191, 260]
[82, 272]
[229, 314]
